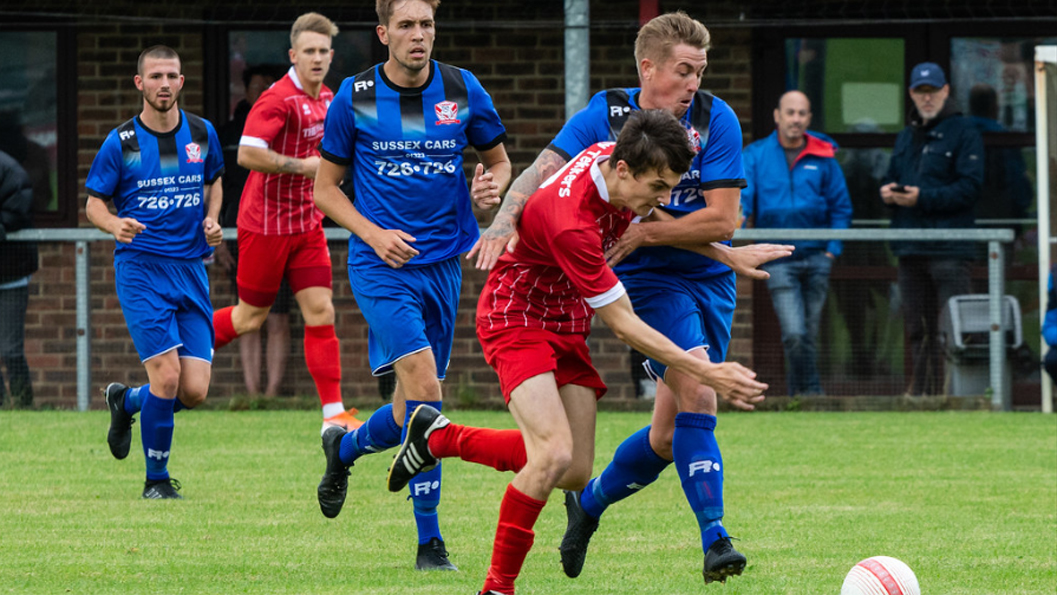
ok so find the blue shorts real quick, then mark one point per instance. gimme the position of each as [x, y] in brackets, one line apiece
[166, 305]
[691, 314]
[408, 310]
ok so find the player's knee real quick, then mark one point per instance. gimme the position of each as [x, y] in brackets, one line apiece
[192, 398]
[165, 384]
[555, 461]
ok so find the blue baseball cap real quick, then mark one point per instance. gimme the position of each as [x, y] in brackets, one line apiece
[927, 73]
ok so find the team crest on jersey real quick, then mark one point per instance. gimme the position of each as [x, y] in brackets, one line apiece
[194, 153]
[447, 112]
[695, 139]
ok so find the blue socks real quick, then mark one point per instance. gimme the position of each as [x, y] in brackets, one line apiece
[134, 400]
[378, 433]
[700, 469]
[634, 466]
[425, 488]
[156, 428]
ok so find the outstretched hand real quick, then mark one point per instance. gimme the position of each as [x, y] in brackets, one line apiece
[736, 384]
[746, 260]
[500, 237]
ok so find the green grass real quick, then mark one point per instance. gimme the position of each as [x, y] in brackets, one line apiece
[968, 500]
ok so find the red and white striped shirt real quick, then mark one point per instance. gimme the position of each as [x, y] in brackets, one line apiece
[288, 121]
[557, 273]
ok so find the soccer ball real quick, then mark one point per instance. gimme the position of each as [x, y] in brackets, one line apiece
[880, 575]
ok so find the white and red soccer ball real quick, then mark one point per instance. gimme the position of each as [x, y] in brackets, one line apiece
[880, 575]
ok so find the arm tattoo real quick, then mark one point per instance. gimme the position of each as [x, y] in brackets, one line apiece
[528, 182]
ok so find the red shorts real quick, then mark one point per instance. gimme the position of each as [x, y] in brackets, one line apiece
[518, 354]
[303, 258]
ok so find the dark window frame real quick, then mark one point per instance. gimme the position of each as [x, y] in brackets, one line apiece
[67, 191]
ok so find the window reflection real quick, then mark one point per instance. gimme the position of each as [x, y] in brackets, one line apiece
[1006, 67]
[28, 127]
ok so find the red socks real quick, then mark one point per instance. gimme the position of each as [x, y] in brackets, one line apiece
[223, 327]
[322, 359]
[502, 450]
[513, 539]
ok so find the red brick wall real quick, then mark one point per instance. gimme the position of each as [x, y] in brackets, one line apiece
[519, 59]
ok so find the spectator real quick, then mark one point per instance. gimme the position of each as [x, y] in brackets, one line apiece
[794, 181]
[255, 79]
[933, 182]
[18, 263]
[1049, 329]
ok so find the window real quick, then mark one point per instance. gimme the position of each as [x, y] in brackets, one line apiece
[855, 85]
[267, 50]
[35, 124]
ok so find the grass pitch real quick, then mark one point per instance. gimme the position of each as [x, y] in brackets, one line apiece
[968, 500]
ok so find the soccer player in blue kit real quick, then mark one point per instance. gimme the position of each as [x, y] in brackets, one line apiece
[688, 297]
[402, 127]
[162, 169]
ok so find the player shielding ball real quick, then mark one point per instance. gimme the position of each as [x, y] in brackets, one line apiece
[279, 227]
[162, 169]
[533, 318]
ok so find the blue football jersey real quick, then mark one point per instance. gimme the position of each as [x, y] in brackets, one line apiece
[718, 164]
[404, 147]
[159, 180]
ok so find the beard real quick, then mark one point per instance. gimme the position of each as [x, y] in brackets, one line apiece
[162, 107]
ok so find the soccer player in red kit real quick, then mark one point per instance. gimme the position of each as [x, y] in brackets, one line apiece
[279, 225]
[533, 318]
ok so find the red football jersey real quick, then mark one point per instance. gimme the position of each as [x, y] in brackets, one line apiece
[557, 273]
[288, 121]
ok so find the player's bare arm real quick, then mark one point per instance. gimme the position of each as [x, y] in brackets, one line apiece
[491, 177]
[744, 260]
[502, 233]
[391, 245]
[122, 228]
[270, 162]
[734, 382]
[714, 224]
[214, 197]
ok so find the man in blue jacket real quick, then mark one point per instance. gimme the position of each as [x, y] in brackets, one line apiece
[933, 182]
[795, 182]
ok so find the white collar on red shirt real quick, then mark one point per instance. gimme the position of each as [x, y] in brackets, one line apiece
[600, 183]
[599, 179]
[293, 77]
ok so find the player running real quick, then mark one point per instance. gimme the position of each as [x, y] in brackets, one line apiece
[162, 169]
[279, 230]
[402, 127]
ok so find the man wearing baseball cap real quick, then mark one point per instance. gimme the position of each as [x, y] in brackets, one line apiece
[933, 182]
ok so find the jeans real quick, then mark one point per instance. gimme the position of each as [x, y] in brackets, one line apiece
[926, 284]
[13, 304]
[798, 290]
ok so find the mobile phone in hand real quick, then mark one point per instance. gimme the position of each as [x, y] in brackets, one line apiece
[900, 189]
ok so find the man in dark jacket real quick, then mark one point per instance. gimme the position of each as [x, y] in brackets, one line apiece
[794, 181]
[19, 261]
[933, 182]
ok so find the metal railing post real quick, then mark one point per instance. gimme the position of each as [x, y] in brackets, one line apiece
[84, 339]
[1000, 401]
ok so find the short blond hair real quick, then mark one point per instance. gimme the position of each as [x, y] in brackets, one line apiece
[657, 37]
[314, 22]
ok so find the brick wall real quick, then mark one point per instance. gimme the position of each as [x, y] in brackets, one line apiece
[518, 56]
